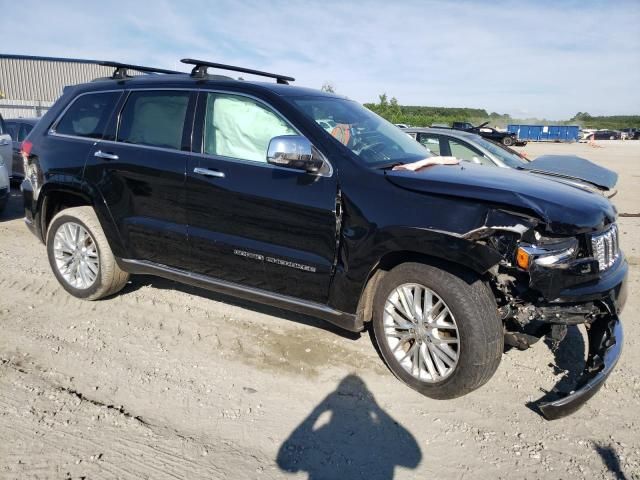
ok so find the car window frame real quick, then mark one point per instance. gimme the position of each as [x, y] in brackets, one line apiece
[464, 143]
[113, 127]
[442, 144]
[198, 133]
[52, 129]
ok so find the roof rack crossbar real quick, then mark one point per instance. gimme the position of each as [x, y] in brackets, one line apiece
[200, 70]
[120, 71]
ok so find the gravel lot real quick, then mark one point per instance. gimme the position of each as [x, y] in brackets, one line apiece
[168, 381]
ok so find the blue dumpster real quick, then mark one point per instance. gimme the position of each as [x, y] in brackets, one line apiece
[546, 133]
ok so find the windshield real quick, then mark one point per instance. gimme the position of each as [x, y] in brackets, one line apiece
[509, 158]
[374, 140]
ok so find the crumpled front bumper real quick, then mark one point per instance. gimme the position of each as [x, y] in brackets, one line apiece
[605, 348]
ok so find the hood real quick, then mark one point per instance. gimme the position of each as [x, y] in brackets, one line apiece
[566, 209]
[577, 168]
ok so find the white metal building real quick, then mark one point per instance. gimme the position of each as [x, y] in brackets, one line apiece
[30, 85]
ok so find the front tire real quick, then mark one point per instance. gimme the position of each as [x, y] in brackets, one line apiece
[507, 141]
[80, 256]
[437, 331]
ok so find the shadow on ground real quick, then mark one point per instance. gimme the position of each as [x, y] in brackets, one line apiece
[138, 281]
[14, 208]
[611, 460]
[349, 436]
[570, 360]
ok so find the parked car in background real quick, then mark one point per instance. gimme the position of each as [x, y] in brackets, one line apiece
[631, 133]
[473, 148]
[236, 186]
[5, 157]
[401, 125]
[18, 128]
[4, 186]
[603, 135]
[505, 138]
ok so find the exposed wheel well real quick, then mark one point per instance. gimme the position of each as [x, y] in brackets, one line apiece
[56, 201]
[392, 260]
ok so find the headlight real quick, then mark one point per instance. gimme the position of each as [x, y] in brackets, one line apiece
[552, 252]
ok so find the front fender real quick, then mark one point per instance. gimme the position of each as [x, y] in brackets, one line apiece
[390, 246]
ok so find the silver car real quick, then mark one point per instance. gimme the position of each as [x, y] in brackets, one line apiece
[473, 148]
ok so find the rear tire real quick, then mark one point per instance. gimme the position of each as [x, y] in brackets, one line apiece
[477, 341]
[80, 256]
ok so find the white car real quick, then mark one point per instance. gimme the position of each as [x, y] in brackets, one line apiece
[6, 153]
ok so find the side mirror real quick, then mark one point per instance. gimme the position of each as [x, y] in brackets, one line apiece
[294, 151]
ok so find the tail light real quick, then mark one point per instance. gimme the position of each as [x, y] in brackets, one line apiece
[25, 149]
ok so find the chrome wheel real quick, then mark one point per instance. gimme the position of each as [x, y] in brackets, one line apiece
[76, 255]
[421, 332]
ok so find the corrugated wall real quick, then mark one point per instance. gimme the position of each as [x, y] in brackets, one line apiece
[43, 80]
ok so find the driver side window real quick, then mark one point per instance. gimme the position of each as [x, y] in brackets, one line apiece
[240, 127]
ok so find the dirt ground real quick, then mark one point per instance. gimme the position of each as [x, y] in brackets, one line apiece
[168, 381]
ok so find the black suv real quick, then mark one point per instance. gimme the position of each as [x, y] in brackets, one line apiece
[240, 187]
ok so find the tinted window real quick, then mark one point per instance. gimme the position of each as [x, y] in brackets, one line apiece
[12, 130]
[240, 127]
[154, 118]
[88, 115]
[430, 142]
[25, 129]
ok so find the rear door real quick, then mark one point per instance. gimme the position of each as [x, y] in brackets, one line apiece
[5, 146]
[140, 172]
[251, 222]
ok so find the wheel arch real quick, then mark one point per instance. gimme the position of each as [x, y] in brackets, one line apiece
[392, 259]
[55, 197]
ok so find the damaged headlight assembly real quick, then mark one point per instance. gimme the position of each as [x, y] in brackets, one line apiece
[546, 252]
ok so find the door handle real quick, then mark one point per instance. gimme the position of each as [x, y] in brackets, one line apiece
[105, 155]
[4, 142]
[208, 172]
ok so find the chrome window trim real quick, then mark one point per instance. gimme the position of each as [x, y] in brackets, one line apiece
[128, 92]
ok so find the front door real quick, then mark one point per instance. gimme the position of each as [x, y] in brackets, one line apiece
[250, 222]
[140, 172]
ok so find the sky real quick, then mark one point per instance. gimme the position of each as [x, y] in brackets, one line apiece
[546, 59]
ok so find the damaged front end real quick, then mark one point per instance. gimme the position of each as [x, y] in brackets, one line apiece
[546, 282]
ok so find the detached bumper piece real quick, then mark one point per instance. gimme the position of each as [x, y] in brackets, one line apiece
[605, 347]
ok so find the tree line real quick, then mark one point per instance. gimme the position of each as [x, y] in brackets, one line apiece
[418, 116]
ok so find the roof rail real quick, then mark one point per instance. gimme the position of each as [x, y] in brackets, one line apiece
[120, 71]
[200, 70]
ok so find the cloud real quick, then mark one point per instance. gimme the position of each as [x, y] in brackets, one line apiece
[550, 59]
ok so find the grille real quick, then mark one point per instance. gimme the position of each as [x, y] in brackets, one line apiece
[606, 247]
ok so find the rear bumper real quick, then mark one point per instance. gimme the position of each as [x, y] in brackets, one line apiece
[605, 349]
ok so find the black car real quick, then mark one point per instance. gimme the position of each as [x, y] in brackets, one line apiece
[18, 128]
[238, 187]
[604, 135]
[505, 138]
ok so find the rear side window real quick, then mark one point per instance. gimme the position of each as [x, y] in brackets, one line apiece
[154, 118]
[88, 115]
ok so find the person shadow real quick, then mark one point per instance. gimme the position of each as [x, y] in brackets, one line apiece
[348, 436]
